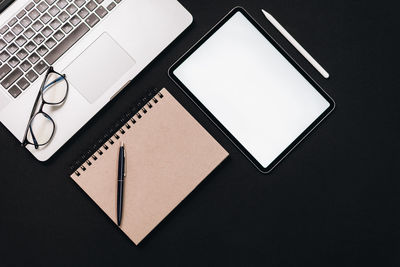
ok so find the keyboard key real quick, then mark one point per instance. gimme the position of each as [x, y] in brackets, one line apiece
[69, 41]
[20, 40]
[67, 27]
[30, 46]
[3, 29]
[71, 9]
[79, 3]
[62, 3]
[36, 1]
[63, 16]
[2, 44]
[34, 14]
[83, 13]
[50, 2]
[25, 65]
[4, 56]
[54, 10]
[14, 61]
[37, 26]
[29, 33]
[50, 43]
[21, 54]
[75, 20]
[4, 70]
[31, 76]
[33, 58]
[11, 78]
[23, 83]
[29, 6]
[58, 35]
[92, 20]
[12, 22]
[99, 1]
[42, 50]
[40, 67]
[15, 91]
[111, 6]
[47, 31]
[17, 29]
[91, 5]
[9, 36]
[26, 21]
[55, 24]
[21, 14]
[101, 12]
[12, 48]
[42, 7]
[45, 18]
[38, 39]
[117, 1]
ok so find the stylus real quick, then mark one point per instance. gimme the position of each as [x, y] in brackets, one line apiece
[293, 41]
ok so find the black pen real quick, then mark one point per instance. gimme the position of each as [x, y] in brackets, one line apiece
[121, 177]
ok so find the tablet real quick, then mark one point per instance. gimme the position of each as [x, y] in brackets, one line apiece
[251, 89]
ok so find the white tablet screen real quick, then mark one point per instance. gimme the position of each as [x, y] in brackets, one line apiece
[252, 89]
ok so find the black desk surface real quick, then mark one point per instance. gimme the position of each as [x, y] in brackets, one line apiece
[333, 202]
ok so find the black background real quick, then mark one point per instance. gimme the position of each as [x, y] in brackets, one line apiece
[334, 201]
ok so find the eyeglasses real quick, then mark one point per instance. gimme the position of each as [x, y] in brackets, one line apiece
[41, 127]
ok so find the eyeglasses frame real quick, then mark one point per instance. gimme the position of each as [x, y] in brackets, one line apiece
[40, 96]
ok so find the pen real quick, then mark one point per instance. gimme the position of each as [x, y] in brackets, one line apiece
[121, 177]
[293, 41]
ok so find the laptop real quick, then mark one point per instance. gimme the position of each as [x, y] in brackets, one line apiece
[100, 45]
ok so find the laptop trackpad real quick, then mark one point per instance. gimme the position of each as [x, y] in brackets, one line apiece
[98, 67]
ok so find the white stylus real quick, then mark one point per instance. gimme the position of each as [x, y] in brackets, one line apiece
[299, 48]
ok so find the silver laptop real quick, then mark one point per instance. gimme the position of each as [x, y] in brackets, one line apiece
[100, 45]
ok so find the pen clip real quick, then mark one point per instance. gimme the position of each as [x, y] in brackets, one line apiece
[124, 162]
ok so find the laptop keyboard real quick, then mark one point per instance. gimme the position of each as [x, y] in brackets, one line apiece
[40, 34]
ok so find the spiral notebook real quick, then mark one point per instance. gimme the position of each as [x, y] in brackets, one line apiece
[168, 154]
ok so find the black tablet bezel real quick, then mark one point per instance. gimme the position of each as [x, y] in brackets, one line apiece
[219, 124]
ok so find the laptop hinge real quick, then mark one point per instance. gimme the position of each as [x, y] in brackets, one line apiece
[122, 88]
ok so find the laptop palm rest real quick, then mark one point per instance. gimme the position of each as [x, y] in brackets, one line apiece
[3, 101]
[98, 67]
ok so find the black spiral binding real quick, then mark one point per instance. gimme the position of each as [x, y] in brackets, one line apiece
[120, 127]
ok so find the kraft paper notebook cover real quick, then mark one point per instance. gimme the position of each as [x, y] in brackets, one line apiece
[168, 154]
